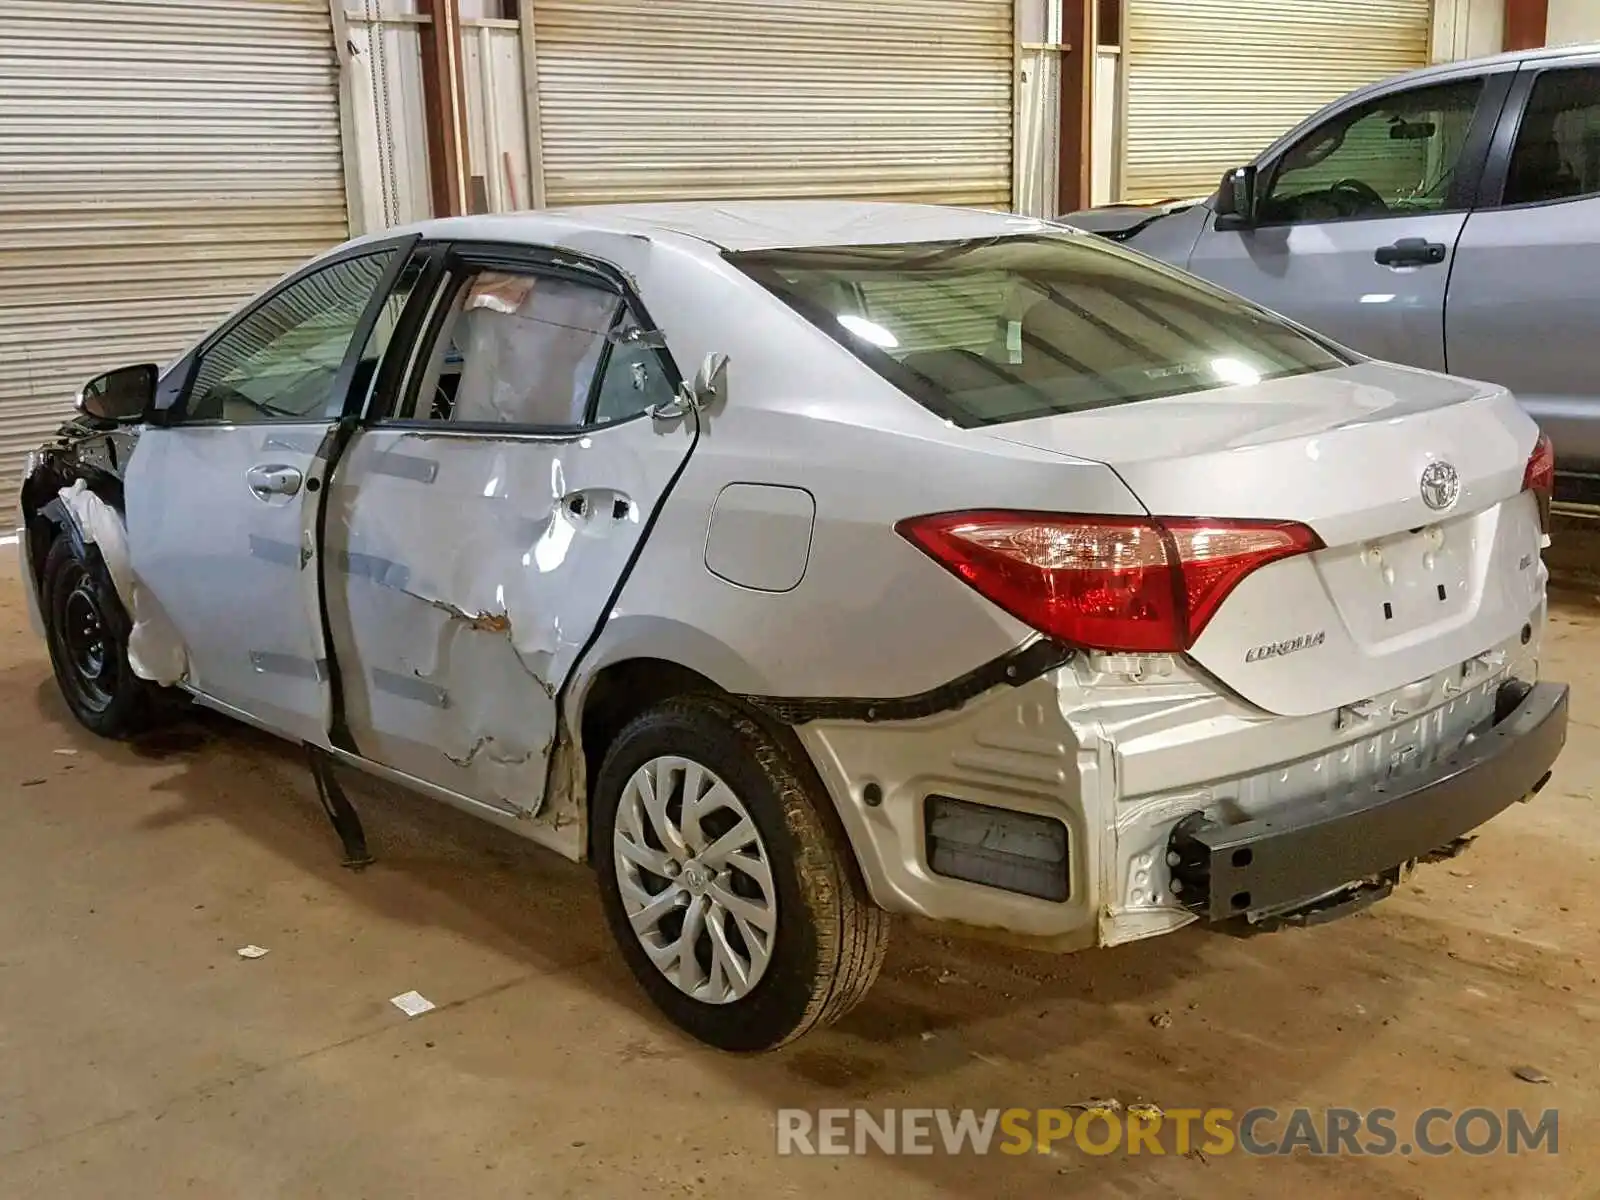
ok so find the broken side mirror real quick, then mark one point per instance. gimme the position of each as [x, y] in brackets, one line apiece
[711, 379]
[119, 396]
[1235, 204]
[710, 384]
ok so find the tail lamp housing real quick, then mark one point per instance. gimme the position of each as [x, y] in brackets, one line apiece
[1133, 585]
[1539, 477]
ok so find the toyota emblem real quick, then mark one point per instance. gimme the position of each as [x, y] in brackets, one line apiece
[1440, 485]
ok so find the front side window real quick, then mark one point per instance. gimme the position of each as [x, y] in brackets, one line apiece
[386, 325]
[1006, 329]
[281, 361]
[1396, 156]
[534, 350]
[1557, 152]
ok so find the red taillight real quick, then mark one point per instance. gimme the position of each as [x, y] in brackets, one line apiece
[1539, 476]
[1108, 583]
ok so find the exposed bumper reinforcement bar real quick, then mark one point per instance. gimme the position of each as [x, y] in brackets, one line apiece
[1356, 839]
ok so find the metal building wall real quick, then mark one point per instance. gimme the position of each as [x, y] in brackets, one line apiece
[160, 160]
[1211, 83]
[674, 99]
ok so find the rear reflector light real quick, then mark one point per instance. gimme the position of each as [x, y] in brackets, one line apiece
[1106, 583]
[1539, 477]
[997, 847]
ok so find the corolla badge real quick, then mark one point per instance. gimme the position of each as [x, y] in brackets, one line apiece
[1306, 641]
[1440, 485]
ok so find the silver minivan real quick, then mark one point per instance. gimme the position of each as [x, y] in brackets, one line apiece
[1448, 218]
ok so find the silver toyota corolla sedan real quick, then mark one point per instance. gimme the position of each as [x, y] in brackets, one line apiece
[802, 563]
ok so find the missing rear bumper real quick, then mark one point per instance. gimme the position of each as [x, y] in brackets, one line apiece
[1350, 845]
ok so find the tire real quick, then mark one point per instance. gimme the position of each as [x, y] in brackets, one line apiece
[827, 939]
[87, 630]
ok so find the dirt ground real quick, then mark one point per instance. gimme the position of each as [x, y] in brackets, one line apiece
[140, 1056]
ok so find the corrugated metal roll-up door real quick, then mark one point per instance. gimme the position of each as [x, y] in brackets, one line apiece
[687, 99]
[160, 160]
[1212, 83]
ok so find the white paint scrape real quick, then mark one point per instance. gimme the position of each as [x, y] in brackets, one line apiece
[155, 651]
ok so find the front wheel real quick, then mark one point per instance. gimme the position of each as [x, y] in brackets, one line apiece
[733, 901]
[87, 630]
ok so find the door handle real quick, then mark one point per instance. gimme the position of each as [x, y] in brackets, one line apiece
[274, 480]
[1410, 252]
[590, 505]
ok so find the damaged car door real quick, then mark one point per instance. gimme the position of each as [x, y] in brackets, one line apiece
[223, 490]
[482, 521]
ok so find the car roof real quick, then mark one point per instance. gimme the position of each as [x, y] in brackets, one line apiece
[1505, 58]
[737, 225]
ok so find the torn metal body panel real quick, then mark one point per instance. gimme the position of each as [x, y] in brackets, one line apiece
[1121, 752]
[155, 651]
[81, 451]
[468, 574]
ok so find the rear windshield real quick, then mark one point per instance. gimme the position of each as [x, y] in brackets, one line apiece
[1004, 329]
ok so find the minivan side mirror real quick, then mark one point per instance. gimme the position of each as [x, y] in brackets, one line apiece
[119, 396]
[1236, 199]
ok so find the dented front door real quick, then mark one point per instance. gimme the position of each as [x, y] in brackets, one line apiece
[467, 571]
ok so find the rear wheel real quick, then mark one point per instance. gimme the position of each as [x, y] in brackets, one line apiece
[734, 902]
[87, 631]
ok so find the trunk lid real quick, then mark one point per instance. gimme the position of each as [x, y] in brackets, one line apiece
[1401, 590]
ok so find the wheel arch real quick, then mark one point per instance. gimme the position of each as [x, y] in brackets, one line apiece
[624, 688]
[45, 516]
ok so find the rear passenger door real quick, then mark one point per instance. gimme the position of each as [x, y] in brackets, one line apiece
[1524, 302]
[482, 520]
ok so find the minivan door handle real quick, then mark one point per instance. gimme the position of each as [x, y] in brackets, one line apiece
[1410, 252]
[269, 481]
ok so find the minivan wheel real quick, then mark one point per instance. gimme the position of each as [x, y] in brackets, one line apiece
[87, 631]
[734, 902]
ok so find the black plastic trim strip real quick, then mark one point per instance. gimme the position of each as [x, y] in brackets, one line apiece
[1014, 668]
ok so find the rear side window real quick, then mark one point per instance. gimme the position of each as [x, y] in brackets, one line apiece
[1557, 152]
[532, 350]
[518, 350]
[1006, 329]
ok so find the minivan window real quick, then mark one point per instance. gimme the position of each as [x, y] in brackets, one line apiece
[1557, 154]
[1006, 329]
[1398, 155]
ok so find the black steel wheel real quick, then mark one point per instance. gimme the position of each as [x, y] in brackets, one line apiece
[87, 629]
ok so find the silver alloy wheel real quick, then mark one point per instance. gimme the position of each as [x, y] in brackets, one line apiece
[695, 880]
